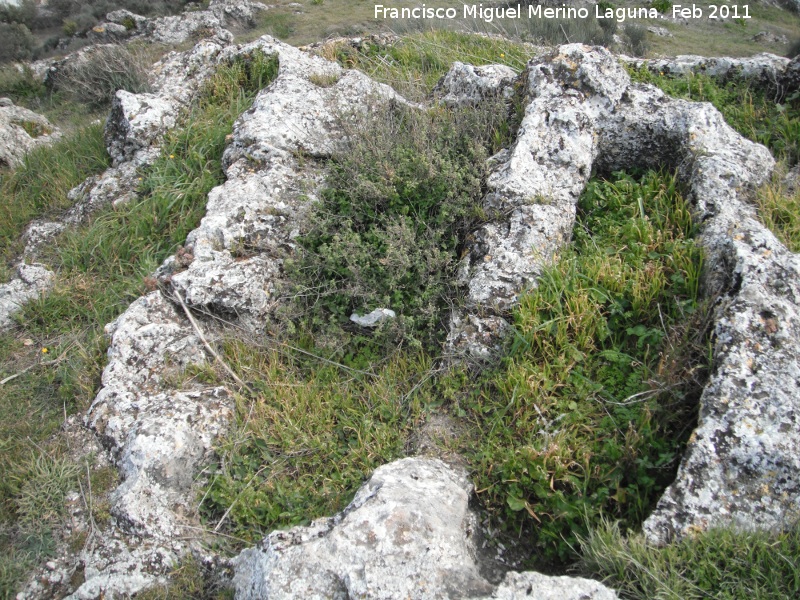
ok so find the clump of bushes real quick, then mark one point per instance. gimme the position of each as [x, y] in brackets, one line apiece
[16, 42]
[400, 200]
[662, 6]
[588, 415]
[75, 17]
[636, 39]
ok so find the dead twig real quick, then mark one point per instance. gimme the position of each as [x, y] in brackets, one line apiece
[202, 337]
[46, 363]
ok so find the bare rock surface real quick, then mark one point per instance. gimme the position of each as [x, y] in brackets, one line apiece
[468, 85]
[219, 14]
[134, 131]
[408, 533]
[535, 185]
[29, 282]
[21, 130]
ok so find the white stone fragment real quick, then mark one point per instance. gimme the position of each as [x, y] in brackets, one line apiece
[373, 319]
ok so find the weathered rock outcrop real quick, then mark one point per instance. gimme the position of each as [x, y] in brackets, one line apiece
[775, 74]
[20, 131]
[134, 132]
[409, 530]
[467, 85]
[29, 282]
[159, 433]
[741, 466]
[761, 68]
[408, 533]
[176, 29]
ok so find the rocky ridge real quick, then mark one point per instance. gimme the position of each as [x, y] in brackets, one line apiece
[582, 115]
[122, 25]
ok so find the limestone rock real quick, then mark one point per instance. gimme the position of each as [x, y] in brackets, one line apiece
[767, 37]
[176, 29]
[139, 121]
[468, 85]
[582, 115]
[105, 33]
[136, 122]
[127, 19]
[20, 131]
[789, 83]
[659, 31]
[160, 433]
[219, 15]
[763, 69]
[535, 186]
[408, 533]
[252, 220]
[29, 282]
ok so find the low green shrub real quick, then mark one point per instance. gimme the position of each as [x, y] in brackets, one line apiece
[636, 39]
[722, 564]
[20, 85]
[399, 202]
[588, 415]
[662, 6]
[16, 42]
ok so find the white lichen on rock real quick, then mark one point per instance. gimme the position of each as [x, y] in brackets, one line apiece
[408, 533]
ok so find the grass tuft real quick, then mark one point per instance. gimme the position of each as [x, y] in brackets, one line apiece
[307, 437]
[721, 564]
[39, 186]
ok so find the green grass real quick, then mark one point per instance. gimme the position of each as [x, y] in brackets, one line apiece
[39, 186]
[101, 268]
[415, 64]
[583, 421]
[720, 564]
[757, 117]
[307, 435]
[780, 211]
[588, 415]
